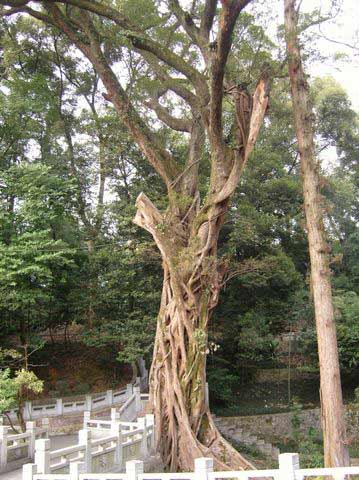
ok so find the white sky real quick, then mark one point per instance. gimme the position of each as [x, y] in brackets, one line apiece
[343, 28]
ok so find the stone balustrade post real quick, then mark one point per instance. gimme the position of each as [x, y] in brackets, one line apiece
[115, 418]
[59, 406]
[45, 423]
[339, 476]
[202, 467]
[85, 440]
[134, 468]
[3, 445]
[142, 424]
[115, 415]
[76, 468]
[88, 402]
[42, 455]
[150, 420]
[87, 418]
[129, 390]
[288, 464]
[109, 397]
[118, 458]
[137, 392]
[31, 430]
[28, 471]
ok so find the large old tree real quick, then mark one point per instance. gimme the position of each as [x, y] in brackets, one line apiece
[332, 412]
[182, 57]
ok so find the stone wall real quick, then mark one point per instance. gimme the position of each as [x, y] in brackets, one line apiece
[279, 425]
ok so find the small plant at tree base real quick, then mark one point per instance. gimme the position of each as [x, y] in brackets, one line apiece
[307, 444]
[14, 391]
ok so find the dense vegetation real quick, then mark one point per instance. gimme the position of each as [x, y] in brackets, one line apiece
[71, 256]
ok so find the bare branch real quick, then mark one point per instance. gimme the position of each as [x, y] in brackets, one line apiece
[149, 143]
[260, 104]
[227, 22]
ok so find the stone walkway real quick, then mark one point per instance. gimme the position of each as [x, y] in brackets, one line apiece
[57, 441]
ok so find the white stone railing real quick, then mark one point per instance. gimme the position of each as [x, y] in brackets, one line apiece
[102, 444]
[68, 405]
[20, 447]
[288, 470]
[111, 449]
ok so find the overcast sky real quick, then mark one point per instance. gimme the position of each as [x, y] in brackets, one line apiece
[344, 28]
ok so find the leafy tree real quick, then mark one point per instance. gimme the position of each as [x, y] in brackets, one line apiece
[185, 64]
[14, 391]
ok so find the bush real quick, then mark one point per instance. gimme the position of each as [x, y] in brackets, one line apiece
[222, 383]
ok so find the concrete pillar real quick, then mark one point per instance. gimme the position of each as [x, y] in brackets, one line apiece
[87, 417]
[59, 407]
[42, 455]
[75, 469]
[137, 392]
[85, 440]
[288, 464]
[3, 445]
[133, 469]
[142, 424]
[202, 467]
[109, 397]
[28, 471]
[31, 430]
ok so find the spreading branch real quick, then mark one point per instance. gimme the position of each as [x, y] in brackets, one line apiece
[159, 158]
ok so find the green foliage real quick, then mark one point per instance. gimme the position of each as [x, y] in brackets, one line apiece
[222, 381]
[307, 444]
[13, 389]
[50, 141]
[8, 391]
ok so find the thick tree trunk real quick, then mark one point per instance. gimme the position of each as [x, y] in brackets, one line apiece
[185, 429]
[184, 426]
[333, 423]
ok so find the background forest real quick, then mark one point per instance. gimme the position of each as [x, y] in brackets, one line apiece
[72, 261]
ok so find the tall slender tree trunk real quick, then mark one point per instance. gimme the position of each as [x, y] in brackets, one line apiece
[332, 413]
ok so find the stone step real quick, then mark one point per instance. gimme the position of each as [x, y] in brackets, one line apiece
[247, 438]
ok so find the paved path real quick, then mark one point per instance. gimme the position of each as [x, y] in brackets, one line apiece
[57, 441]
